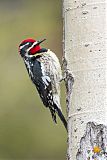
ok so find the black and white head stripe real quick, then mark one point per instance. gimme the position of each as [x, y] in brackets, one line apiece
[23, 45]
[34, 44]
[29, 44]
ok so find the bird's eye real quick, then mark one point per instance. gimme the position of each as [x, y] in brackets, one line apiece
[30, 44]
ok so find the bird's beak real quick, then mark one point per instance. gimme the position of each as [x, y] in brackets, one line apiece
[40, 41]
[35, 44]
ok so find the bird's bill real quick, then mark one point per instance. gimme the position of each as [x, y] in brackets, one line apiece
[38, 42]
[35, 44]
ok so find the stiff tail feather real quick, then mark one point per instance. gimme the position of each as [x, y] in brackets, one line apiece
[53, 113]
[61, 116]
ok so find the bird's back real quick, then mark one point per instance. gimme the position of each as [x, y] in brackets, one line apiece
[51, 71]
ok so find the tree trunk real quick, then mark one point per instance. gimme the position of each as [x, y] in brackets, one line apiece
[85, 40]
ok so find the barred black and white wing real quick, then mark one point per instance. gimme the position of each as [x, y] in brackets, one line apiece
[46, 76]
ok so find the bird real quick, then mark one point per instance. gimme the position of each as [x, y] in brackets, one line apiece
[44, 70]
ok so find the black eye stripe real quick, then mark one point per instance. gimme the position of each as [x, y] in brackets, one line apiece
[22, 44]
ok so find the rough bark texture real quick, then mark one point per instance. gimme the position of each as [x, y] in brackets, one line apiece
[85, 55]
[93, 145]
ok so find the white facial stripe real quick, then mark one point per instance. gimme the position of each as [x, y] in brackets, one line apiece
[32, 46]
[24, 45]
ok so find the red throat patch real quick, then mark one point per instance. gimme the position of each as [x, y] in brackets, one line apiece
[35, 49]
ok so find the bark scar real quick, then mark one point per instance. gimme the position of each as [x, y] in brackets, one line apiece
[93, 145]
[69, 81]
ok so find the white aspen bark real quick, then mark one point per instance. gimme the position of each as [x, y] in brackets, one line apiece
[85, 41]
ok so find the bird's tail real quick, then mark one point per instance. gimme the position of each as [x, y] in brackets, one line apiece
[60, 114]
[53, 113]
[62, 118]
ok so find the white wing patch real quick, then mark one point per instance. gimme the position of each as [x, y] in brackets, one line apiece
[46, 80]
